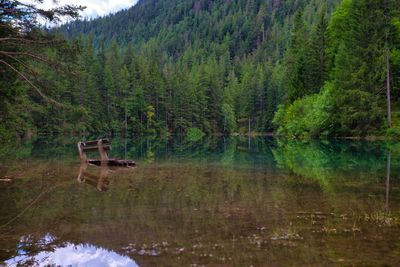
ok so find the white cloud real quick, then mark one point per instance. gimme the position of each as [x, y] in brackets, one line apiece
[94, 8]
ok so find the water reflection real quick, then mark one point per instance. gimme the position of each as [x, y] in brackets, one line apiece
[217, 202]
[388, 166]
[65, 254]
[329, 162]
[97, 176]
[100, 182]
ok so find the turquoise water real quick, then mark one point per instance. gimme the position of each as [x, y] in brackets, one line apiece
[229, 202]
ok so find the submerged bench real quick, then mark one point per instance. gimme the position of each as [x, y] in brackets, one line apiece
[101, 145]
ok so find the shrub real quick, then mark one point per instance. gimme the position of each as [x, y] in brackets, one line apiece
[393, 132]
[308, 117]
[194, 134]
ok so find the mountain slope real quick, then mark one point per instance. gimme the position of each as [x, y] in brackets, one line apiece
[179, 67]
[217, 65]
[190, 67]
[177, 25]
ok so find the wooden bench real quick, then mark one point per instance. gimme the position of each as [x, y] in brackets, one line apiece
[101, 145]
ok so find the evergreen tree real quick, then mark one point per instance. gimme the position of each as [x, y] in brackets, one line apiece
[316, 56]
[296, 86]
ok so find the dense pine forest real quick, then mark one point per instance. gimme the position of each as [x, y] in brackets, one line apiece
[299, 68]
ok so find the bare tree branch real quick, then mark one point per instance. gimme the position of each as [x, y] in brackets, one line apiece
[6, 39]
[41, 94]
[37, 57]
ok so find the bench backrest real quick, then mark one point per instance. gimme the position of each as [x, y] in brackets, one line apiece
[100, 145]
[93, 145]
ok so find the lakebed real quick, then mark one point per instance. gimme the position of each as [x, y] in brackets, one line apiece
[218, 202]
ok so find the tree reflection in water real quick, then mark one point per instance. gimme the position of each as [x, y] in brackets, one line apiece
[215, 202]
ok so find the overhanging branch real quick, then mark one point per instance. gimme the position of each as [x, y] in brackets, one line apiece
[38, 91]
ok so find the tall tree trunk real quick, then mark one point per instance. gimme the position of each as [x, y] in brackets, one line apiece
[389, 111]
[126, 147]
[249, 129]
[126, 118]
[248, 135]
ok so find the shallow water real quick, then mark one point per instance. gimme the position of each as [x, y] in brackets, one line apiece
[223, 202]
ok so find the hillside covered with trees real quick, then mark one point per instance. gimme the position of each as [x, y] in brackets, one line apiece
[304, 68]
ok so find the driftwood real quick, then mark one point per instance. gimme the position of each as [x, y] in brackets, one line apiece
[101, 145]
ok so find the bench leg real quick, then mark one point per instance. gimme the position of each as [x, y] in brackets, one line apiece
[102, 182]
[102, 152]
[81, 175]
[82, 154]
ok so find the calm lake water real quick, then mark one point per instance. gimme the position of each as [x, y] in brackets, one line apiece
[220, 202]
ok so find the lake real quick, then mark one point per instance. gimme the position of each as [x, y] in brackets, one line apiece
[216, 202]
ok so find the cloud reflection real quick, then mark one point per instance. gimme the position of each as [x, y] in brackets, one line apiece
[73, 255]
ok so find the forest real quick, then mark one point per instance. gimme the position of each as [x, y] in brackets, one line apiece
[295, 68]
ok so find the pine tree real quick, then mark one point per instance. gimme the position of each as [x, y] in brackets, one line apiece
[296, 86]
[316, 56]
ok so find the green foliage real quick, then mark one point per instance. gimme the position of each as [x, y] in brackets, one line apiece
[28, 69]
[279, 118]
[194, 134]
[357, 113]
[5, 134]
[229, 118]
[218, 67]
[316, 56]
[308, 117]
[352, 68]
[296, 86]
[393, 132]
[223, 73]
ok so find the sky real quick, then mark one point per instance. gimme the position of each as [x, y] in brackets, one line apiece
[94, 8]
